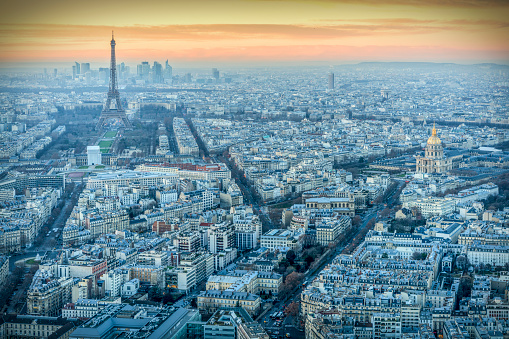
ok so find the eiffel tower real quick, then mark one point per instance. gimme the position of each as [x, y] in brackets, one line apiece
[113, 108]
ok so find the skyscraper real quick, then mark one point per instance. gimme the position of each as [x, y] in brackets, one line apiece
[215, 73]
[85, 67]
[76, 70]
[143, 70]
[157, 73]
[331, 80]
[168, 71]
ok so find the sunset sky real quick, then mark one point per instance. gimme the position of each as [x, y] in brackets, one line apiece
[465, 31]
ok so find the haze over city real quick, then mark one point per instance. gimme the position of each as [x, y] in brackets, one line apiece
[254, 169]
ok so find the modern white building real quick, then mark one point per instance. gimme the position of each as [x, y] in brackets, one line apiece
[248, 230]
[386, 325]
[113, 281]
[93, 155]
[221, 237]
[130, 288]
[280, 239]
[166, 197]
[433, 206]
[127, 178]
[182, 278]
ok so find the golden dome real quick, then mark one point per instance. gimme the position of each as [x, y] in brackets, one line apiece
[433, 139]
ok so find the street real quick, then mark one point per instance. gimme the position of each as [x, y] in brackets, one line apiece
[51, 241]
[289, 324]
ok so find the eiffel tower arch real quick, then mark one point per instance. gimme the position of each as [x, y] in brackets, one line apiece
[113, 107]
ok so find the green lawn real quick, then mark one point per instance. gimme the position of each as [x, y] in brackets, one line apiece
[99, 166]
[105, 143]
[105, 150]
[32, 262]
[83, 167]
[110, 134]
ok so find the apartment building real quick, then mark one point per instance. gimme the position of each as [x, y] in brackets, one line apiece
[221, 237]
[386, 325]
[233, 323]
[36, 327]
[329, 230]
[210, 301]
[47, 295]
[280, 239]
[488, 254]
[246, 281]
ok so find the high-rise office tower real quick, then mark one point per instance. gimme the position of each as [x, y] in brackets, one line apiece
[157, 73]
[143, 70]
[78, 67]
[113, 107]
[85, 67]
[121, 71]
[331, 80]
[215, 73]
[168, 71]
[104, 74]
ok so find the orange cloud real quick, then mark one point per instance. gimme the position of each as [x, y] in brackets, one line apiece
[421, 3]
[334, 29]
[343, 39]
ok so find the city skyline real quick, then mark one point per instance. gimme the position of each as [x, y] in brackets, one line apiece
[242, 178]
[199, 32]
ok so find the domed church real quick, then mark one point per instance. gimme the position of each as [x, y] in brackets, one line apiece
[434, 160]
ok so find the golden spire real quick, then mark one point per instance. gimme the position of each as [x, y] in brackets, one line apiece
[433, 139]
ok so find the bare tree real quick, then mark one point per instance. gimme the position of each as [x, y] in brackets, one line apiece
[292, 309]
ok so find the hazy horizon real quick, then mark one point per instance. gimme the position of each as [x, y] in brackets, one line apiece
[66, 67]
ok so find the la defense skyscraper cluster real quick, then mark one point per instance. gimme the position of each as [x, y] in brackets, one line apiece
[113, 107]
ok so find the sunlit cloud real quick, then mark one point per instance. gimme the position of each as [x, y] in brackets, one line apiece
[250, 29]
[419, 3]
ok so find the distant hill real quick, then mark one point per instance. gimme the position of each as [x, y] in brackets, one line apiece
[394, 64]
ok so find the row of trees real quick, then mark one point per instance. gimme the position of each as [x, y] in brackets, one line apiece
[302, 262]
[10, 284]
[388, 193]
[164, 296]
[360, 236]
[56, 212]
[291, 282]
[19, 279]
[142, 137]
